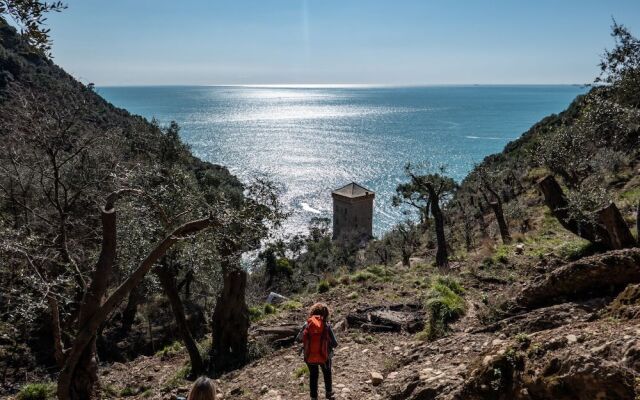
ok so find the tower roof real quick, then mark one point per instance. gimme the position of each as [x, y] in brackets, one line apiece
[353, 190]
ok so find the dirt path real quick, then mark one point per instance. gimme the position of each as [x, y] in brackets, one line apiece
[281, 373]
[278, 376]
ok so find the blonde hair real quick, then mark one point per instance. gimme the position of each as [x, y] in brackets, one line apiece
[320, 309]
[203, 389]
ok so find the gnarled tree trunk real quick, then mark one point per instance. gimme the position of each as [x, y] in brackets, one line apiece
[442, 257]
[496, 207]
[78, 377]
[130, 312]
[609, 230]
[79, 381]
[230, 323]
[168, 282]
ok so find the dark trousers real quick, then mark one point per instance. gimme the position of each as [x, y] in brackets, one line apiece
[313, 378]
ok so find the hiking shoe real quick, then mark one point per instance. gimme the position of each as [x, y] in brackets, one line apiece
[330, 396]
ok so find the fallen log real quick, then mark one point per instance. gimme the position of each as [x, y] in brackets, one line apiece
[279, 335]
[595, 276]
[394, 318]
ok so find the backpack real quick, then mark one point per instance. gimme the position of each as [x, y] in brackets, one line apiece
[315, 339]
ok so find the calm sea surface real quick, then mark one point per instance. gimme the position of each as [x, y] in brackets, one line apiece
[315, 139]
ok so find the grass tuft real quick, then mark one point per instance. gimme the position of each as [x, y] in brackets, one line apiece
[444, 304]
[363, 276]
[37, 391]
[323, 286]
[170, 350]
[301, 371]
[291, 305]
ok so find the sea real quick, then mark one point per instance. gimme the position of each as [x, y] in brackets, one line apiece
[316, 138]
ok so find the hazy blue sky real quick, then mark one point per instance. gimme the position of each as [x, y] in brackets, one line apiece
[129, 42]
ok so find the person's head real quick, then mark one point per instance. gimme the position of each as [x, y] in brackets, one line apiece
[202, 389]
[320, 309]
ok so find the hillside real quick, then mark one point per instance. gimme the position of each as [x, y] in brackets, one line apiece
[64, 151]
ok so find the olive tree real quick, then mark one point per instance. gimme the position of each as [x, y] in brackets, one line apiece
[438, 189]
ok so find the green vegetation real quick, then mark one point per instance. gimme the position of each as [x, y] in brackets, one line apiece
[362, 276]
[269, 309]
[37, 391]
[323, 286]
[444, 304]
[128, 391]
[523, 339]
[178, 379]
[291, 305]
[170, 350]
[301, 371]
[255, 313]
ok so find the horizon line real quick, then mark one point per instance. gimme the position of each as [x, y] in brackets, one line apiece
[337, 85]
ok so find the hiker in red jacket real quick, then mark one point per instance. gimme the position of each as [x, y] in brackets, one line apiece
[318, 343]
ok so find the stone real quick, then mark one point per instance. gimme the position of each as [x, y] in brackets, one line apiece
[376, 378]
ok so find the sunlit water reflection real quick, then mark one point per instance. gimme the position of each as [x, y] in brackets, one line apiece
[313, 140]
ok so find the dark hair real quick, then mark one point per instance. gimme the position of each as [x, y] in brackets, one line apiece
[320, 309]
[203, 389]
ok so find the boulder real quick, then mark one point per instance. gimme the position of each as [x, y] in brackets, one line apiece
[591, 276]
[626, 305]
[275, 298]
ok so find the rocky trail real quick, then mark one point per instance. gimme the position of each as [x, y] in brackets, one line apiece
[577, 347]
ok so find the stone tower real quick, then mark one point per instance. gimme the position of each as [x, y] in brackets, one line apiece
[352, 211]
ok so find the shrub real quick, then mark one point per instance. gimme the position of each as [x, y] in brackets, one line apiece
[444, 304]
[37, 391]
[283, 266]
[269, 309]
[450, 282]
[323, 286]
[501, 255]
[255, 313]
[345, 279]
[523, 339]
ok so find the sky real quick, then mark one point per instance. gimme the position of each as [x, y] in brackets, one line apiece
[392, 42]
